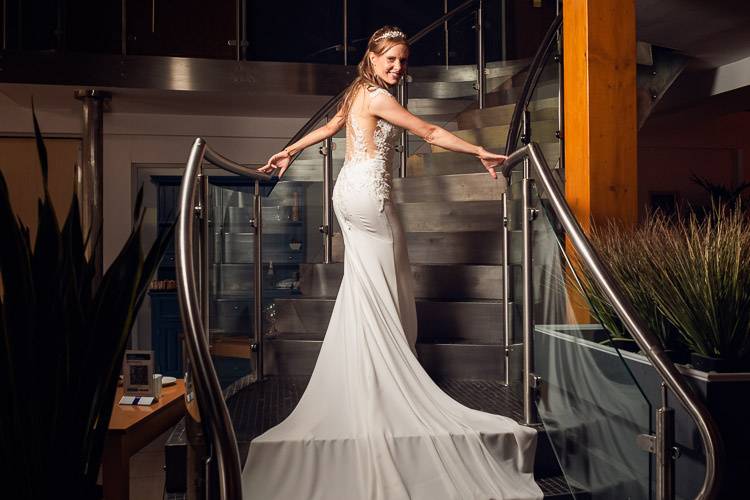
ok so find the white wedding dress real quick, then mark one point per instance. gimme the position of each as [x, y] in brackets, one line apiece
[371, 424]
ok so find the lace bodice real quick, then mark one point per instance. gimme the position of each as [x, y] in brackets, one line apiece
[368, 163]
[384, 136]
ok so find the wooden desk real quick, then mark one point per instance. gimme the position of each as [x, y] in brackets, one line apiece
[130, 429]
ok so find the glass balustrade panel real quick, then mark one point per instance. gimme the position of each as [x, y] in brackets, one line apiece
[591, 403]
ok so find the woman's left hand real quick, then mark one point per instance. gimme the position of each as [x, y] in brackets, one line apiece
[490, 161]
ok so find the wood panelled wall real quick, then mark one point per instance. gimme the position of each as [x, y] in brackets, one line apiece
[19, 165]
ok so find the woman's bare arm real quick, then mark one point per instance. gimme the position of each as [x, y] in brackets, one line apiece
[387, 108]
[283, 158]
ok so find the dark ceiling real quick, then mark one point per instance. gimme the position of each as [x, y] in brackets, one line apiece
[714, 32]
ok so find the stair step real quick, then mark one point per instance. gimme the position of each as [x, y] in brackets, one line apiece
[476, 321]
[467, 72]
[494, 136]
[446, 281]
[541, 109]
[448, 188]
[545, 88]
[470, 247]
[465, 361]
[430, 106]
[445, 162]
[456, 216]
[448, 90]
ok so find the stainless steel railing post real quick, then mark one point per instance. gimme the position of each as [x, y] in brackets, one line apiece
[403, 99]
[481, 70]
[257, 224]
[327, 227]
[506, 289]
[529, 385]
[203, 244]
[90, 174]
[665, 449]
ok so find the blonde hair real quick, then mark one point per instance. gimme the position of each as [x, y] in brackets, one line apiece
[380, 41]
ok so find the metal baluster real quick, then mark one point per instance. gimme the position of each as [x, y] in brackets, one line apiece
[203, 244]
[481, 77]
[506, 287]
[530, 381]
[403, 98]
[327, 227]
[257, 224]
[665, 449]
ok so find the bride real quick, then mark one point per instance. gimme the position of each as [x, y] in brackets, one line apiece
[371, 424]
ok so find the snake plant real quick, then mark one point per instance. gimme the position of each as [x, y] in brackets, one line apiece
[64, 333]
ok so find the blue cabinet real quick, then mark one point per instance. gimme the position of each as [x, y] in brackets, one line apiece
[166, 333]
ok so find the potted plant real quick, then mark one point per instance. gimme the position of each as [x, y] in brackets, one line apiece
[688, 278]
[63, 339]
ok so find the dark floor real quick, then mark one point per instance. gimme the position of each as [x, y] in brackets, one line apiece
[261, 406]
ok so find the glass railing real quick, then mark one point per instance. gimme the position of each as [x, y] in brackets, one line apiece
[583, 370]
[588, 401]
[231, 277]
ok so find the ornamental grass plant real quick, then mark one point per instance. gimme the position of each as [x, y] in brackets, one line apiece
[688, 277]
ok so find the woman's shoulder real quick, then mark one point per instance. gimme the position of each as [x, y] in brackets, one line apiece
[374, 91]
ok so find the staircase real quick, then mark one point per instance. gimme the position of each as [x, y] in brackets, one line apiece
[452, 214]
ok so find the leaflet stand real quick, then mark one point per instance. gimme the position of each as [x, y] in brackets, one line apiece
[140, 386]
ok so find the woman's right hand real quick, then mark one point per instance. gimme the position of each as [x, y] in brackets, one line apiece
[280, 161]
[491, 161]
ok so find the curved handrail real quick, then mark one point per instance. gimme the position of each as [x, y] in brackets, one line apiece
[210, 398]
[326, 109]
[647, 341]
[535, 71]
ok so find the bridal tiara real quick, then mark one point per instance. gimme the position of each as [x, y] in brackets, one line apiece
[390, 34]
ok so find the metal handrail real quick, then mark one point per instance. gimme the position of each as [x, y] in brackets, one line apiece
[209, 394]
[535, 72]
[647, 341]
[326, 109]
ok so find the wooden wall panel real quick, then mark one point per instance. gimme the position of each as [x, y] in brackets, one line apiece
[19, 164]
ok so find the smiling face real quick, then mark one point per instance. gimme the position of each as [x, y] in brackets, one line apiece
[391, 64]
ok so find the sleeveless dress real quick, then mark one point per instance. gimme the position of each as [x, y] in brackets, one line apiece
[372, 425]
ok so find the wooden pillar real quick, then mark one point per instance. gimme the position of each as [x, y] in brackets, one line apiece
[600, 109]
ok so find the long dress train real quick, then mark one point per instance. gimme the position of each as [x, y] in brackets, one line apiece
[371, 424]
